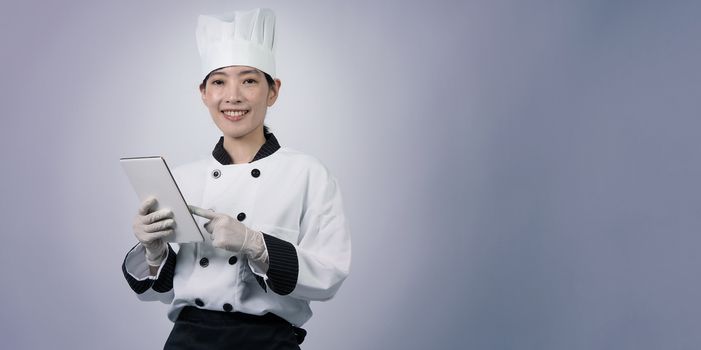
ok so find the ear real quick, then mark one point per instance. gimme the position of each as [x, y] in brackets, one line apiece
[273, 92]
[202, 92]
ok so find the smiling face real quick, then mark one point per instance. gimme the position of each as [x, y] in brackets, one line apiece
[238, 98]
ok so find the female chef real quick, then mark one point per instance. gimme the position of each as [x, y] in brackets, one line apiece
[278, 237]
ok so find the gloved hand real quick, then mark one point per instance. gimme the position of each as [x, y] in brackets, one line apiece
[150, 227]
[228, 233]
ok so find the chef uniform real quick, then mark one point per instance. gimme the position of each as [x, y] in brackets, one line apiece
[288, 196]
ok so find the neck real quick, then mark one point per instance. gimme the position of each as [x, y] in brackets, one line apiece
[243, 149]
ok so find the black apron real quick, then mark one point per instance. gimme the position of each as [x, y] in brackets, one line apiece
[206, 329]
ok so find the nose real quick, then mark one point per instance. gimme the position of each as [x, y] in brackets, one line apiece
[233, 94]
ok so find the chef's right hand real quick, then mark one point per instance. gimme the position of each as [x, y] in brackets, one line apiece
[150, 227]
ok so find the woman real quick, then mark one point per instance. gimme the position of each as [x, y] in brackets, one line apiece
[278, 234]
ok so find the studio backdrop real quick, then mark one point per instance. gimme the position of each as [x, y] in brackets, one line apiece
[517, 174]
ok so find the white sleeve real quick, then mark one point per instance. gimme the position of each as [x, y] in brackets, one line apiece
[315, 268]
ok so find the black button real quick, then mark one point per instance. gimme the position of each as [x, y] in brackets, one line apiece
[216, 173]
[228, 307]
[199, 302]
[241, 216]
[204, 262]
[255, 172]
[233, 260]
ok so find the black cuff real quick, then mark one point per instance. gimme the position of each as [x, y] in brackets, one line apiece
[164, 282]
[283, 267]
[261, 283]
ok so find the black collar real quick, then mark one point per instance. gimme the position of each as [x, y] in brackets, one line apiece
[269, 147]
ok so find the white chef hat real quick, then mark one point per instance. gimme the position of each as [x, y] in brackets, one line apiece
[242, 38]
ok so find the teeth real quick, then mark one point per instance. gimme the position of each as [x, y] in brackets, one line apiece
[235, 113]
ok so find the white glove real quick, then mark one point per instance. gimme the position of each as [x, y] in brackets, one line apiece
[228, 233]
[150, 227]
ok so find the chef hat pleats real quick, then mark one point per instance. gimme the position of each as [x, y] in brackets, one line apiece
[242, 38]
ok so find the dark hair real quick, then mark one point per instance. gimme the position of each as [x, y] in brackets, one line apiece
[268, 79]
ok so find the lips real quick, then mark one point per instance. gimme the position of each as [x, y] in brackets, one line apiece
[234, 114]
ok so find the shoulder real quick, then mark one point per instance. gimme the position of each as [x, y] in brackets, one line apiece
[318, 181]
[302, 162]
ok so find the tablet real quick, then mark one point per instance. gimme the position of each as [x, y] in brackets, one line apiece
[150, 176]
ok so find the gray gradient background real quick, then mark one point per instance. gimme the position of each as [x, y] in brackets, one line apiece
[518, 174]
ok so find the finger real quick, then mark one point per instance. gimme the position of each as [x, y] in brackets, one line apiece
[148, 204]
[157, 216]
[208, 227]
[207, 214]
[160, 226]
[153, 236]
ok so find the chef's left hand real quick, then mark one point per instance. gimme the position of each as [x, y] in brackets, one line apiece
[228, 233]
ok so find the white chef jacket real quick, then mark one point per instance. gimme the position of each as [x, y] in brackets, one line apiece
[287, 195]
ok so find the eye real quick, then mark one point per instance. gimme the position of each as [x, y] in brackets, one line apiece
[217, 82]
[250, 81]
